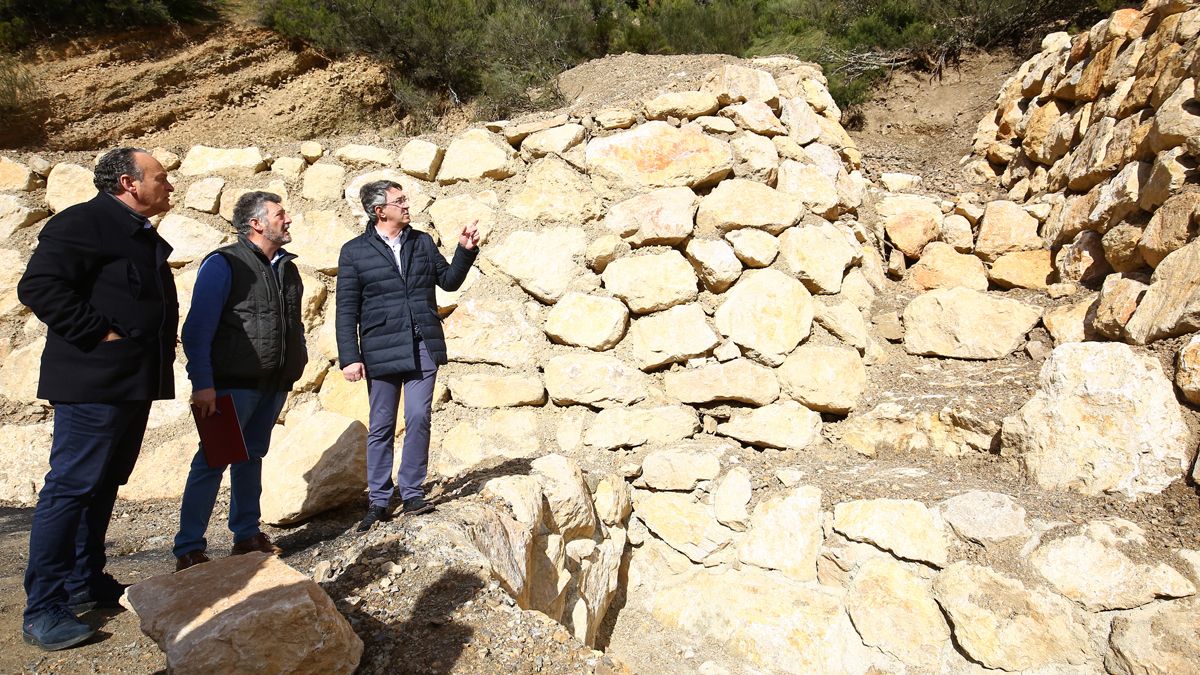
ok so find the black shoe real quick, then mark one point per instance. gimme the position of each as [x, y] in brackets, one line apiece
[374, 515]
[104, 593]
[54, 629]
[415, 506]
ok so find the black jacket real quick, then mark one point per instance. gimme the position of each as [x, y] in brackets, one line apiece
[377, 306]
[260, 336]
[95, 269]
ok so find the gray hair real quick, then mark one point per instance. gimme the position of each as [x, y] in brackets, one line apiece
[375, 194]
[113, 165]
[252, 205]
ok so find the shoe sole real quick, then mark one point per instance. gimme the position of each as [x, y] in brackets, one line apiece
[416, 512]
[55, 646]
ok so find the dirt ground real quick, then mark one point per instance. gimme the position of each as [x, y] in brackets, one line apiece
[418, 606]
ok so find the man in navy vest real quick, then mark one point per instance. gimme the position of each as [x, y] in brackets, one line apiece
[243, 337]
[388, 331]
[100, 282]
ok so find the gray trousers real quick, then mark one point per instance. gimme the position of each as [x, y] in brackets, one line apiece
[384, 396]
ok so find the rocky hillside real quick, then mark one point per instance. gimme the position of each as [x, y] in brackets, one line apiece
[717, 402]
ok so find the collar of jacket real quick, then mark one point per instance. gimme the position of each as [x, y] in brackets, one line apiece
[133, 221]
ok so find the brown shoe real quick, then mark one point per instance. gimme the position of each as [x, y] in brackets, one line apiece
[259, 542]
[189, 559]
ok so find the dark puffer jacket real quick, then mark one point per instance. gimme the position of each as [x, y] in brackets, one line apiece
[377, 306]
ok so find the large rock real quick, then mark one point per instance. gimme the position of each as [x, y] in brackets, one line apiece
[323, 182]
[593, 379]
[966, 324]
[205, 194]
[615, 428]
[479, 390]
[682, 523]
[819, 254]
[739, 203]
[893, 609]
[999, 623]
[661, 216]
[784, 425]
[910, 221]
[785, 534]
[1187, 370]
[570, 513]
[421, 158]
[492, 331]
[478, 154]
[14, 215]
[245, 613]
[755, 248]
[755, 117]
[1099, 576]
[680, 468]
[452, 214]
[556, 192]
[1169, 228]
[319, 464]
[15, 176]
[190, 239]
[1072, 323]
[1162, 639]
[24, 462]
[364, 155]
[825, 378]
[591, 321]
[481, 442]
[985, 518]
[681, 104]
[656, 154]
[1104, 420]
[546, 275]
[317, 238]
[715, 263]
[674, 335]
[738, 380]
[755, 157]
[554, 141]
[1006, 227]
[1023, 269]
[816, 189]
[648, 283]
[941, 266]
[68, 185]
[1171, 306]
[767, 312]
[730, 498]
[1176, 119]
[907, 528]
[739, 84]
[201, 160]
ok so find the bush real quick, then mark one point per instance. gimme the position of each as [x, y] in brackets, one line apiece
[22, 21]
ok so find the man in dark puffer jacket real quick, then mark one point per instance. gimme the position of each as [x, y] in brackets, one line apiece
[388, 331]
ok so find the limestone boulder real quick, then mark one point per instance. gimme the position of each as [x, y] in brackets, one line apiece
[1083, 260]
[656, 154]
[484, 442]
[1118, 301]
[755, 248]
[985, 518]
[649, 283]
[323, 467]
[358, 155]
[816, 189]
[25, 462]
[323, 182]
[956, 231]
[554, 141]
[19, 376]
[715, 263]
[201, 160]
[680, 468]
[570, 513]
[615, 118]
[1000, 623]
[613, 500]
[682, 523]
[755, 117]
[421, 159]
[475, 155]
[16, 177]
[1073, 322]
[819, 254]
[492, 331]
[739, 203]
[591, 321]
[289, 168]
[205, 194]
[15, 215]
[615, 428]
[738, 84]
[844, 321]
[906, 528]
[1171, 226]
[1104, 420]
[941, 266]
[1099, 576]
[598, 380]
[663, 216]
[1005, 228]
[243, 613]
[966, 324]
[910, 221]
[479, 390]
[784, 425]
[1159, 639]
[68, 185]
[767, 312]
[190, 239]
[681, 104]
[546, 275]
[800, 119]
[451, 214]
[317, 238]
[755, 157]
[677, 334]
[824, 378]
[554, 191]
[1171, 306]
[1176, 120]
[736, 380]
[1023, 269]
[1187, 370]
[893, 609]
[785, 534]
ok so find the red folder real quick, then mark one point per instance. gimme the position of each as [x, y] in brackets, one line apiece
[221, 435]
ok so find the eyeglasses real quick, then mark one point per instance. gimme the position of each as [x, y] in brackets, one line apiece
[403, 201]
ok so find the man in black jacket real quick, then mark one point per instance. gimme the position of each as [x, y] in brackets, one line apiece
[388, 331]
[99, 280]
[243, 337]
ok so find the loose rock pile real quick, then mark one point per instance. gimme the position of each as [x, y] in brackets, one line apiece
[671, 283]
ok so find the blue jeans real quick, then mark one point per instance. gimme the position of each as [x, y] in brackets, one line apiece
[257, 410]
[93, 452]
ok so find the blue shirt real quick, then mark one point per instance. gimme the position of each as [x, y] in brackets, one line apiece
[209, 296]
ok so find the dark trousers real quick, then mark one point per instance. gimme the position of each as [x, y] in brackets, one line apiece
[384, 395]
[93, 452]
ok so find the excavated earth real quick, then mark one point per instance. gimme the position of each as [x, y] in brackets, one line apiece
[416, 602]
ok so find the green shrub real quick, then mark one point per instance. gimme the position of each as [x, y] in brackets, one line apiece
[22, 21]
